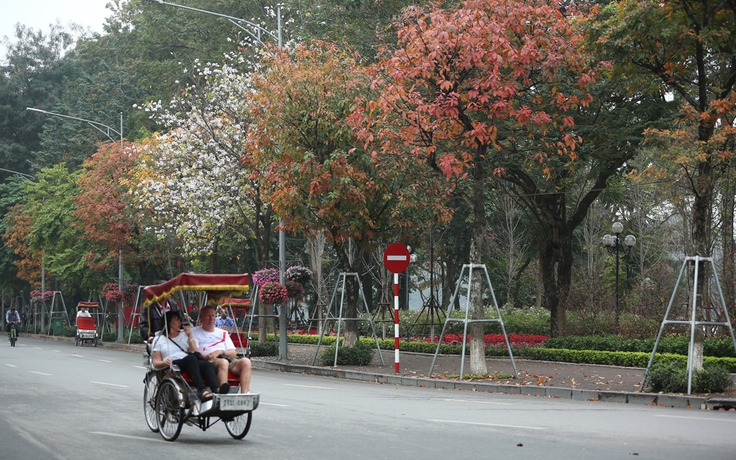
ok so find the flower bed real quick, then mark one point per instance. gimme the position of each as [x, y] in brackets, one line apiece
[491, 340]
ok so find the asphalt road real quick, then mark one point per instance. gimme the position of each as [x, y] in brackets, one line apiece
[58, 401]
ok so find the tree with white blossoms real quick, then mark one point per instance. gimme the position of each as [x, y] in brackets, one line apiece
[196, 180]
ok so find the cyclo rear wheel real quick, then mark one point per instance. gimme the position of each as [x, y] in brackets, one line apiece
[239, 426]
[169, 413]
[149, 401]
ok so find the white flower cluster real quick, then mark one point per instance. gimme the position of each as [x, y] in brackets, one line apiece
[196, 185]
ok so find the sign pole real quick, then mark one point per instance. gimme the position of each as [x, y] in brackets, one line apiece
[396, 259]
[396, 324]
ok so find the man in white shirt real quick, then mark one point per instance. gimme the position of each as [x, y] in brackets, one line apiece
[83, 313]
[215, 345]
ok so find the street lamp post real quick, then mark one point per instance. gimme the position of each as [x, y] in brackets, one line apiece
[107, 131]
[256, 32]
[614, 246]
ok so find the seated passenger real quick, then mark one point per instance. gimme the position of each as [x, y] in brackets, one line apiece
[217, 346]
[224, 320]
[174, 347]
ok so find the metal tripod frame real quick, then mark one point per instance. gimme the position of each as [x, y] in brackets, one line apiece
[341, 281]
[467, 321]
[697, 260]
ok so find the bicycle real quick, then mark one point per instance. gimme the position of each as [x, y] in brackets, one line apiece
[13, 333]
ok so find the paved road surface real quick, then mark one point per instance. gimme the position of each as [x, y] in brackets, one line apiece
[66, 402]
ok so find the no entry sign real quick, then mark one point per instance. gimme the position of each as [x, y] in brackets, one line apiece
[396, 258]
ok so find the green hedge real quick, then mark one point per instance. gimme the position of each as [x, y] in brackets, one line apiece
[671, 377]
[618, 358]
[673, 344]
[270, 348]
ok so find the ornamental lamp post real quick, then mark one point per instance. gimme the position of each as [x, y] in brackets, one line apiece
[615, 246]
[107, 131]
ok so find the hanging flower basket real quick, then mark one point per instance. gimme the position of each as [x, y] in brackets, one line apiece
[299, 274]
[37, 297]
[273, 294]
[294, 290]
[111, 292]
[264, 276]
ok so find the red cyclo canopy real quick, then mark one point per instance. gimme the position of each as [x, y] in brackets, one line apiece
[216, 286]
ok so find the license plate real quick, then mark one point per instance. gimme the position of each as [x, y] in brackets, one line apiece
[236, 402]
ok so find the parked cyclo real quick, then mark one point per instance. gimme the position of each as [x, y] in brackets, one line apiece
[169, 397]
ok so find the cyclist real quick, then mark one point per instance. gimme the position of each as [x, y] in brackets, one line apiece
[11, 316]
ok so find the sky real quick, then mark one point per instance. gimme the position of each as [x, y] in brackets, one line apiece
[39, 14]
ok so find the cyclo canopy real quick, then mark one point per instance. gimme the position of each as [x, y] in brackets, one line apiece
[217, 287]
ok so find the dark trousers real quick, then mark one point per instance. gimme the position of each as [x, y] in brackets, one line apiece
[198, 369]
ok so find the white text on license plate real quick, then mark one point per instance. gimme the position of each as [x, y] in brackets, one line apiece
[235, 403]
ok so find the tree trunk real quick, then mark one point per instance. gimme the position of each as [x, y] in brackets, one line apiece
[350, 310]
[352, 295]
[555, 257]
[477, 345]
[727, 241]
[702, 219]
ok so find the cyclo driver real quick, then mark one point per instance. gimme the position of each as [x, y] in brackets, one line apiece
[11, 316]
[216, 345]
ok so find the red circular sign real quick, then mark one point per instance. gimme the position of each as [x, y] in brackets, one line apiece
[396, 258]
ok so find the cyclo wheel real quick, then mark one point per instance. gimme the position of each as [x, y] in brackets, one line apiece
[149, 401]
[169, 414]
[239, 426]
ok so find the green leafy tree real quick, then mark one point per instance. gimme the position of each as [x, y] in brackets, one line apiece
[32, 75]
[48, 211]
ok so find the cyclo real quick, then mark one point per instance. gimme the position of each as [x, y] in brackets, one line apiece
[169, 401]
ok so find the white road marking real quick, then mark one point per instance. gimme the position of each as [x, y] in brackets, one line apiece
[272, 404]
[56, 351]
[77, 356]
[38, 348]
[10, 365]
[39, 373]
[140, 438]
[104, 361]
[109, 384]
[696, 418]
[141, 367]
[477, 402]
[307, 386]
[497, 425]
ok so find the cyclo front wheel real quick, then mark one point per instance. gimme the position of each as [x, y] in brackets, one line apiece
[239, 426]
[169, 413]
[149, 400]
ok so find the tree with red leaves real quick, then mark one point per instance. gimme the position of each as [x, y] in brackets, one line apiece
[469, 88]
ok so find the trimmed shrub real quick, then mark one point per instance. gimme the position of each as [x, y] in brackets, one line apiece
[671, 377]
[270, 348]
[359, 355]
